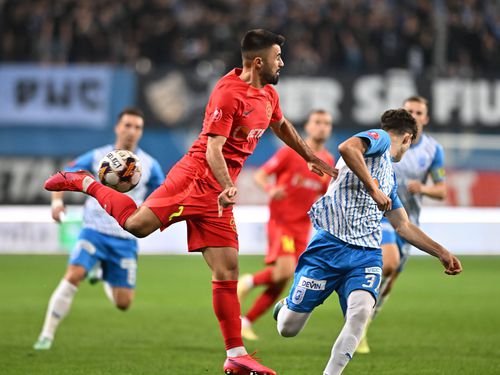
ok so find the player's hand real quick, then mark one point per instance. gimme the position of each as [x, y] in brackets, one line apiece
[452, 265]
[318, 166]
[277, 192]
[384, 203]
[58, 210]
[226, 198]
[414, 187]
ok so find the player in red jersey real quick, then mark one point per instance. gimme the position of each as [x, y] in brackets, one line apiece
[200, 188]
[294, 191]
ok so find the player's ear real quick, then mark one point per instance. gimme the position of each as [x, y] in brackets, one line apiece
[258, 62]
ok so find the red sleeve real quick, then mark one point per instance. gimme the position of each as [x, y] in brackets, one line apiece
[277, 114]
[277, 161]
[326, 179]
[220, 113]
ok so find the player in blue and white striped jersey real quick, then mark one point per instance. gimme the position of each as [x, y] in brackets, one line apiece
[344, 255]
[102, 239]
[424, 159]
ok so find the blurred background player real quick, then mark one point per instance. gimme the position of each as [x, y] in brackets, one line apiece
[344, 254]
[294, 191]
[101, 239]
[424, 159]
[201, 188]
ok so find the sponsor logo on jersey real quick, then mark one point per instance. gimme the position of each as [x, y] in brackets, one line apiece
[308, 183]
[376, 270]
[298, 295]
[311, 284]
[373, 135]
[243, 132]
[246, 113]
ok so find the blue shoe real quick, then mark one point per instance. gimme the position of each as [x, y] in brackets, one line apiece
[278, 307]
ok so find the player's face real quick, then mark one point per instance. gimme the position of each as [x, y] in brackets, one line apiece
[403, 144]
[271, 65]
[319, 127]
[419, 112]
[128, 131]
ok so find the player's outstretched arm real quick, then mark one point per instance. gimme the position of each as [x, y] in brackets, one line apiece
[285, 131]
[414, 235]
[218, 166]
[352, 151]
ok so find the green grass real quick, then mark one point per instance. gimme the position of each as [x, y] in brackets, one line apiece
[432, 324]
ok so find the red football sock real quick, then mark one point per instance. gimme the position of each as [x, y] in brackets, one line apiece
[117, 204]
[227, 310]
[263, 277]
[264, 302]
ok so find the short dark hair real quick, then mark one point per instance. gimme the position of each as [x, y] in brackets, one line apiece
[418, 99]
[134, 111]
[258, 40]
[317, 111]
[399, 121]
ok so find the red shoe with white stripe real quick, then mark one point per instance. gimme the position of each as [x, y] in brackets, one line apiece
[67, 181]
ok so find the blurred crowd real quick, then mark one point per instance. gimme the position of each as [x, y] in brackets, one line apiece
[447, 36]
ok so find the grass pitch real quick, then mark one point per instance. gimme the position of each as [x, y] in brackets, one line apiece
[432, 324]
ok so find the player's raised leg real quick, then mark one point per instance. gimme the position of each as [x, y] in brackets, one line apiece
[59, 305]
[138, 221]
[223, 261]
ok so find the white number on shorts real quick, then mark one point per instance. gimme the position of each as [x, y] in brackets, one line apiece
[370, 281]
[131, 266]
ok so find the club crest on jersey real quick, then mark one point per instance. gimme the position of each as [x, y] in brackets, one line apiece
[311, 284]
[269, 110]
[298, 295]
[216, 114]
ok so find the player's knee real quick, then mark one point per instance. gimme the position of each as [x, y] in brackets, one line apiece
[226, 273]
[287, 328]
[75, 275]
[123, 303]
[360, 312]
[389, 268]
[137, 227]
[284, 270]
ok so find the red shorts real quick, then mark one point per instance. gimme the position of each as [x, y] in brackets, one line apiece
[286, 240]
[190, 193]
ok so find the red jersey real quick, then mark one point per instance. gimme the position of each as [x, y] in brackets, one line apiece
[241, 113]
[302, 187]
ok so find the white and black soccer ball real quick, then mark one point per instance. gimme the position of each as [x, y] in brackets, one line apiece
[120, 170]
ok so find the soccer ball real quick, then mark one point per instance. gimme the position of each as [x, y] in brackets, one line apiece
[120, 170]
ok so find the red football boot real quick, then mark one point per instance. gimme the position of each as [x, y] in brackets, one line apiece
[245, 365]
[67, 181]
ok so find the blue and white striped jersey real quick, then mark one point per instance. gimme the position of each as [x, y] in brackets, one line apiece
[94, 216]
[421, 160]
[347, 211]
